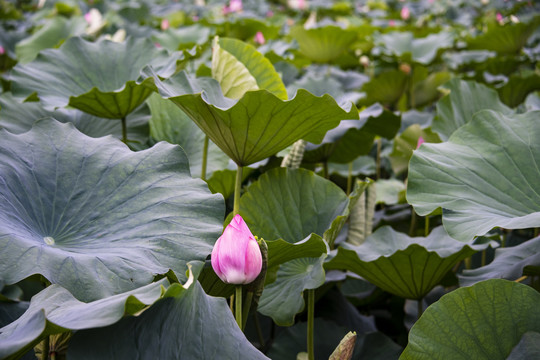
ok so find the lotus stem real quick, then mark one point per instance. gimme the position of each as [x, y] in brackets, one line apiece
[124, 131]
[259, 330]
[238, 312]
[349, 179]
[483, 257]
[426, 226]
[237, 189]
[379, 148]
[325, 170]
[413, 222]
[310, 323]
[420, 308]
[204, 158]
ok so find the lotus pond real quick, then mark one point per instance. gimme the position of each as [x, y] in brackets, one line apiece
[283, 179]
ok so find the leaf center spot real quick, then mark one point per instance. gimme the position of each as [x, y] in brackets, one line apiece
[48, 240]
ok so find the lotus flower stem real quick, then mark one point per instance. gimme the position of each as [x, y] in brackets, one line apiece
[379, 148]
[310, 321]
[426, 226]
[237, 189]
[204, 158]
[483, 257]
[420, 308]
[325, 170]
[238, 311]
[413, 223]
[124, 130]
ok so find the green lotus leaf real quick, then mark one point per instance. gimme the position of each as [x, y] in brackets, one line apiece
[18, 118]
[480, 178]
[327, 336]
[484, 321]
[169, 123]
[245, 28]
[508, 263]
[239, 67]
[282, 299]
[404, 266]
[386, 88]
[527, 348]
[457, 60]
[422, 50]
[518, 87]
[185, 324]
[259, 124]
[352, 138]
[405, 144]
[323, 44]
[533, 102]
[290, 204]
[79, 75]
[96, 218]
[426, 91]
[389, 191]
[223, 181]
[55, 310]
[52, 34]
[182, 38]
[464, 100]
[508, 39]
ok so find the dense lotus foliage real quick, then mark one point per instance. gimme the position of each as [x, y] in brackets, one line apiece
[377, 160]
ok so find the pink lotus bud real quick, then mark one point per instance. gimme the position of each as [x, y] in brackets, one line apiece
[158, 45]
[405, 13]
[2, 50]
[391, 23]
[236, 257]
[499, 17]
[88, 17]
[259, 38]
[420, 142]
[269, 13]
[165, 24]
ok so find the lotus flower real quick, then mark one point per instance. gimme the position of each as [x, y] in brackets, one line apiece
[236, 257]
[405, 13]
[259, 38]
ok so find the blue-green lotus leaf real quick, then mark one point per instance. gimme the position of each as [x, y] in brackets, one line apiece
[96, 218]
[101, 78]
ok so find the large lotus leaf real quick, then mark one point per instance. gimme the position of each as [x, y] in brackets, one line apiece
[95, 217]
[518, 87]
[352, 138]
[259, 124]
[18, 118]
[290, 204]
[508, 39]
[483, 321]
[457, 60]
[386, 88]
[78, 74]
[223, 181]
[404, 266]
[169, 123]
[327, 335]
[50, 35]
[464, 100]
[239, 67]
[323, 44]
[427, 90]
[55, 310]
[282, 299]
[245, 28]
[405, 144]
[182, 38]
[185, 324]
[485, 175]
[527, 348]
[508, 263]
[421, 50]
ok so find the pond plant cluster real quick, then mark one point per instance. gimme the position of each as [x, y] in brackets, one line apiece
[364, 174]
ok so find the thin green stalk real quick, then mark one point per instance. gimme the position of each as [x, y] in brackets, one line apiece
[45, 350]
[411, 90]
[536, 231]
[204, 158]
[325, 170]
[245, 308]
[420, 308]
[349, 179]
[426, 226]
[310, 323]
[53, 355]
[124, 130]
[504, 238]
[238, 311]
[379, 148]
[259, 330]
[483, 257]
[237, 189]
